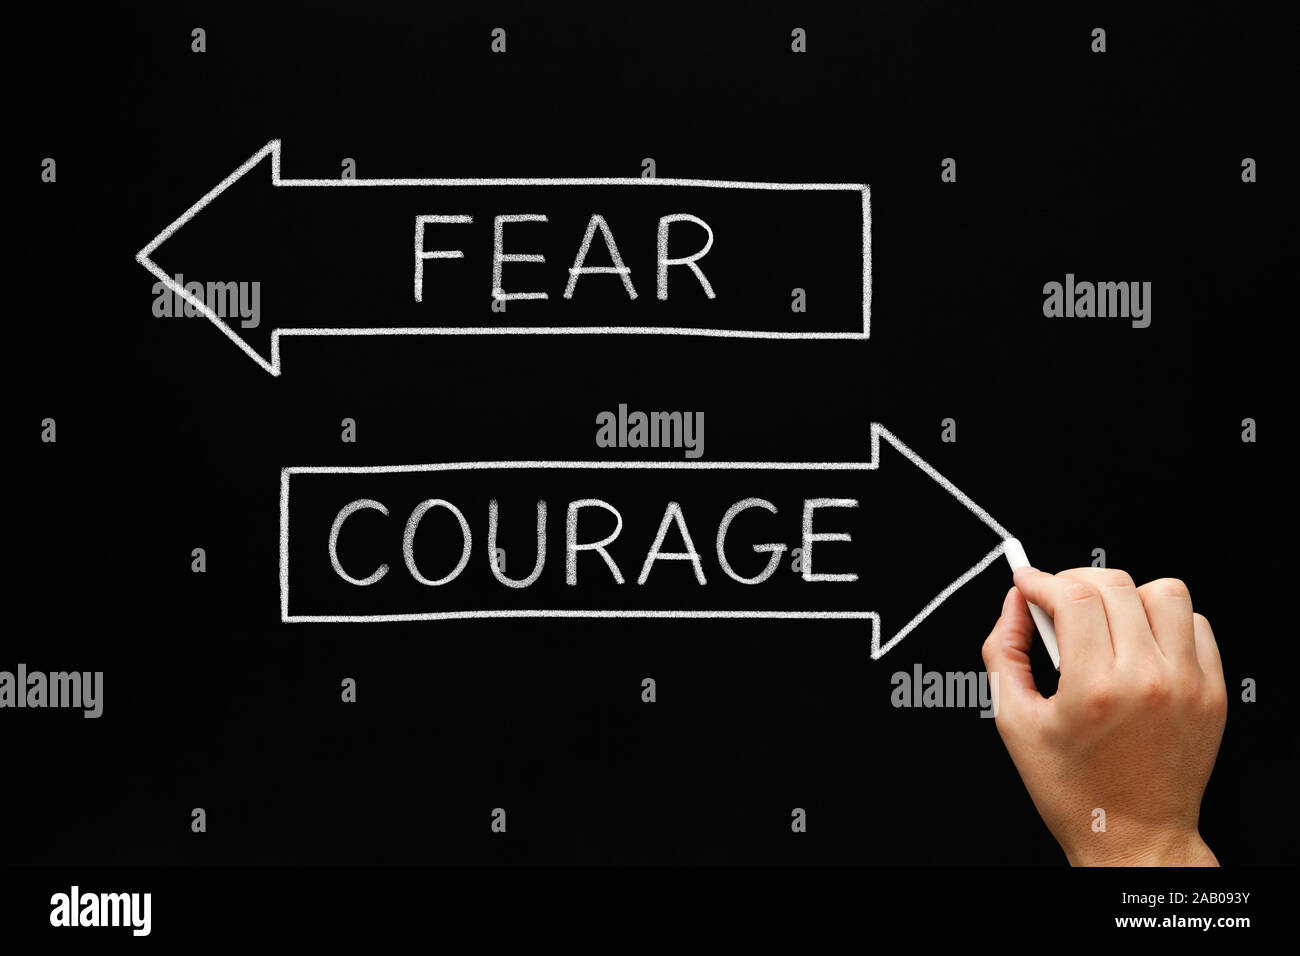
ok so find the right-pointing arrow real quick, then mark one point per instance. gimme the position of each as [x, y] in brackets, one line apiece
[317, 504]
[366, 257]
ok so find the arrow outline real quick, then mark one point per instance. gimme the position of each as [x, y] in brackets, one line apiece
[144, 257]
[878, 432]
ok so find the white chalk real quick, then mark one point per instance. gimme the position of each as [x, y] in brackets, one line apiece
[273, 365]
[1017, 558]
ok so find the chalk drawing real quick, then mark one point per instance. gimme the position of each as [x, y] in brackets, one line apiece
[273, 365]
[879, 646]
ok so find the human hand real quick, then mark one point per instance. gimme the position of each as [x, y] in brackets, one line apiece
[1134, 726]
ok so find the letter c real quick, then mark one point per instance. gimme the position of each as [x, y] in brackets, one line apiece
[343, 515]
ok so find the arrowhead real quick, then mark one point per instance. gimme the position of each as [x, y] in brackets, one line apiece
[266, 353]
[928, 546]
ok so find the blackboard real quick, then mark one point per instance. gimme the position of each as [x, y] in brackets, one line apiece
[885, 210]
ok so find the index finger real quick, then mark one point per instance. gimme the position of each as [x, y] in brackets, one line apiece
[1077, 611]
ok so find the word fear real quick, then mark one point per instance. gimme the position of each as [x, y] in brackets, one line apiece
[573, 545]
[596, 224]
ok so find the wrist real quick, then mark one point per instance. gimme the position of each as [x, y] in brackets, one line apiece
[1154, 849]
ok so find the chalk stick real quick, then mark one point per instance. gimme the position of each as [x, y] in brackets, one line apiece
[1017, 558]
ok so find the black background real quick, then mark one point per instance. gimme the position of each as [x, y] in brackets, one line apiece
[1076, 434]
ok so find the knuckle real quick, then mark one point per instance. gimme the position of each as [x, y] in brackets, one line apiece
[1151, 687]
[1187, 687]
[1076, 592]
[1169, 589]
[1114, 578]
[1216, 699]
[1100, 700]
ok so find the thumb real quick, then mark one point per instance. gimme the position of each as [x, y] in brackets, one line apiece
[1006, 654]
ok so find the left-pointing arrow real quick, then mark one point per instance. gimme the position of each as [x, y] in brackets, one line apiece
[558, 256]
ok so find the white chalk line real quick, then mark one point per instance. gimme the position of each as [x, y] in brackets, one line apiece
[272, 147]
[583, 181]
[866, 262]
[554, 613]
[144, 257]
[582, 465]
[284, 544]
[877, 650]
[570, 330]
[877, 432]
[168, 282]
